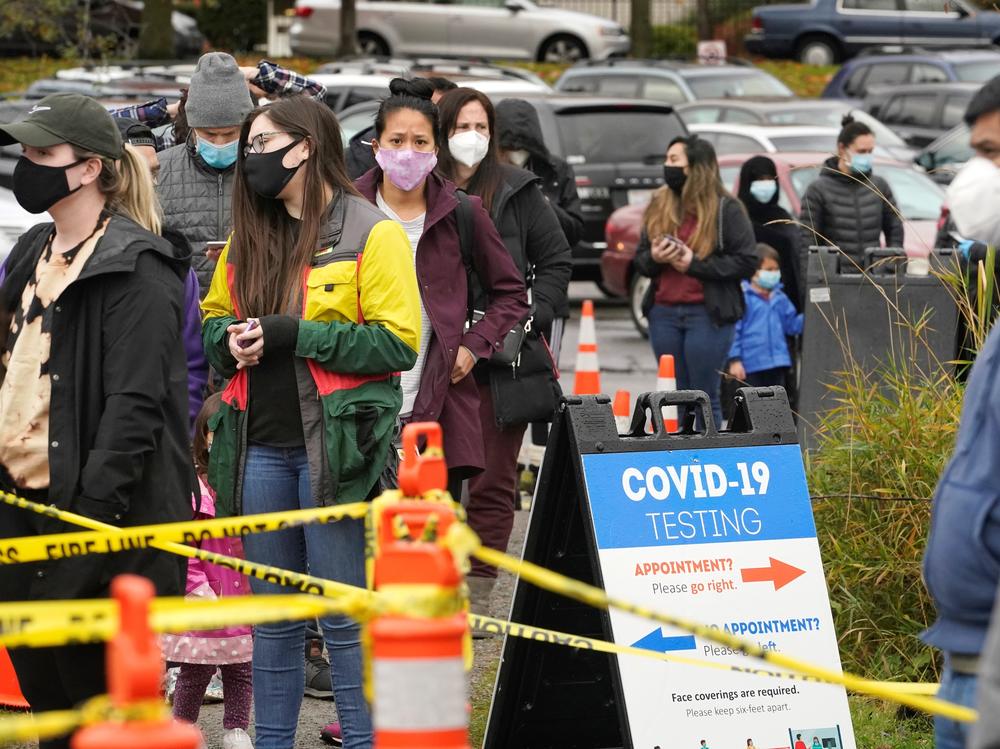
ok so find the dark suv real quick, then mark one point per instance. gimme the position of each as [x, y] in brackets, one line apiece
[829, 31]
[617, 148]
[857, 77]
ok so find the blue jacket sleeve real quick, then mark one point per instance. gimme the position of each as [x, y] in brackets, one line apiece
[791, 321]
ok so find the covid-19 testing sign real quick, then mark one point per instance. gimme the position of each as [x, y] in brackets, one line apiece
[724, 537]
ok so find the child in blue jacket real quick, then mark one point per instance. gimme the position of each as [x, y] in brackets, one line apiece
[759, 356]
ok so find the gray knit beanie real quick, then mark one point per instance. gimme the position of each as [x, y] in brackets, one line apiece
[218, 96]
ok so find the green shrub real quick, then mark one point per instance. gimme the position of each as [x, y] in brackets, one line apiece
[880, 453]
[674, 41]
[233, 25]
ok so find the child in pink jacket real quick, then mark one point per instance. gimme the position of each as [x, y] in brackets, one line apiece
[229, 649]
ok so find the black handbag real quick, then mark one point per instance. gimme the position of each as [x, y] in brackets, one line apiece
[528, 390]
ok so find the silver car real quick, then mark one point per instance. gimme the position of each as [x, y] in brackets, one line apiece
[504, 29]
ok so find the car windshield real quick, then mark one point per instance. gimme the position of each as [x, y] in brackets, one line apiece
[730, 83]
[917, 196]
[977, 72]
[616, 136]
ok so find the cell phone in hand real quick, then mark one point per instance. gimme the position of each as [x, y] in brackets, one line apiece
[671, 238]
[250, 326]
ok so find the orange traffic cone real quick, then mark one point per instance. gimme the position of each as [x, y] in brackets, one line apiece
[666, 381]
[10, 690]
[623, 411]
[588, 371]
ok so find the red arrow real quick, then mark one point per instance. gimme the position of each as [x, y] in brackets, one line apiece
[779, 573]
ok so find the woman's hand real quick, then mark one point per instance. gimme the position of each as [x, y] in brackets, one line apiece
[682, 257]
[662, 250]
[247, 355]
[464, 363]
[737, 370]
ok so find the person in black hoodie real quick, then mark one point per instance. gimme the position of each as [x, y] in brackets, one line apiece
[93, 401]
[469, 156]
[772, 224]
[521, 144]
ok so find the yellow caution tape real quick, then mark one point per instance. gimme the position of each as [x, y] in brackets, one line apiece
[58, 723]
[297, 580]
[64, 545]
[464, 541]
[553, 637]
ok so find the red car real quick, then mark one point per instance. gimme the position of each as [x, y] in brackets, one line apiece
[919, 199]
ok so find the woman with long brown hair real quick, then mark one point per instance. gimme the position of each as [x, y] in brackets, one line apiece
[697, 244]
[313, 312]
[469, 157]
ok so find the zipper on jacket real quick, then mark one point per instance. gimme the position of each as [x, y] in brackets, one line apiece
[220, 229]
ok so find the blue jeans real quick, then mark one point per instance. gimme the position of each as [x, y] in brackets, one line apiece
[960, 689]
[277, 479]
[700, 347]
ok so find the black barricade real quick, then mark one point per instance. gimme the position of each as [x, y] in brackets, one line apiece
[550, 696]
[871, 315]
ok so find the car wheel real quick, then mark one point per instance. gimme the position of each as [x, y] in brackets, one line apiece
[563, 48]
[818, 50]
[372, 45]
[606, 291]
[636, 293]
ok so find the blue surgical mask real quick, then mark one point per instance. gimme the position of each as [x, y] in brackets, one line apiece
[861, 162]
[763, 190]
[767, 279]
[218, 157]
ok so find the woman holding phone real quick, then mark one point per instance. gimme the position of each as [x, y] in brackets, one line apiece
[697, 244]
[313, 311]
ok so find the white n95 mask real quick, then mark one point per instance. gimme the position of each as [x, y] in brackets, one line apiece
[468, 147]
[974, 201]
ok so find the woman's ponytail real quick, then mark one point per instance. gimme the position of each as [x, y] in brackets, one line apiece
[135, 196]
[127, 186]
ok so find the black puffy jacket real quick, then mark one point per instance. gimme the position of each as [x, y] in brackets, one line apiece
[849, 211]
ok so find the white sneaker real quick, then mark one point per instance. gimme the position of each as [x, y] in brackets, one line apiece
[236, 738]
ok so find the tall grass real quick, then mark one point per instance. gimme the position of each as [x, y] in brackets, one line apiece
[880, 452]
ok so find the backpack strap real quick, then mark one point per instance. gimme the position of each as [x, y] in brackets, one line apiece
[463, 217]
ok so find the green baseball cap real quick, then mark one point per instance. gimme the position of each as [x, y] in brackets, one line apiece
[66, 118]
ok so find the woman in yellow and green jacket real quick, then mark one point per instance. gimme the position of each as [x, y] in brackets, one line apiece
[313, 312]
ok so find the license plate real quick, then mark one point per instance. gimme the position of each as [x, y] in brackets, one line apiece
[637, 197]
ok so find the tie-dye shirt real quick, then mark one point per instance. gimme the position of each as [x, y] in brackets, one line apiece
[27, 386]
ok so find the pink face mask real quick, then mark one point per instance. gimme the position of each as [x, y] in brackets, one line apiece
[406, 168]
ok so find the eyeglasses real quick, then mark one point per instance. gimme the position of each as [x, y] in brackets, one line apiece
[256, 144]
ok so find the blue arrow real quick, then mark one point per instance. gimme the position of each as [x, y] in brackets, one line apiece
[656, 642]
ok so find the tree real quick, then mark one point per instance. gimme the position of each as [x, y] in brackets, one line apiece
[641, 30]
[44, 21]
[348, 45]
[704, 16]
[156, 40]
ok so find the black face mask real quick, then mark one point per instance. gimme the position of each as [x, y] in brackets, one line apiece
[266, 175]
[674, 178]
[38, 187]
